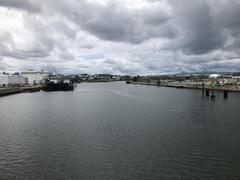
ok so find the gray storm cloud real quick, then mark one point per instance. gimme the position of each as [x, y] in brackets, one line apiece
[135, 36]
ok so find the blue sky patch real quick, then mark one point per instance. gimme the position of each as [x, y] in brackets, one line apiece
[93, 56]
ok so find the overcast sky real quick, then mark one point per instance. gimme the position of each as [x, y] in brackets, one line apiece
[120, 36]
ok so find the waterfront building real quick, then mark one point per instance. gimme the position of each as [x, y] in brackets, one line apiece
[84, 77]
[35, 77]
[214, 76]
[237, 78]
[106, 77]
[12, 80]
[229, 81]
[116, 77]
[91, 77]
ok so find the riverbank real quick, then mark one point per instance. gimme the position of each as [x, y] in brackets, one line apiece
[16, 90]
[186, 86]
[99, 81]
[95, 81]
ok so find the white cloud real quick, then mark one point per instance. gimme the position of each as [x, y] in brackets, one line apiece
[135, 36]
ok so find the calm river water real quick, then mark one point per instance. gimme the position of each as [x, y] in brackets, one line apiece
[120, 131]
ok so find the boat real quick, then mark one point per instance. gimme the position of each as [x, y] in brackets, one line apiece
[58, 85]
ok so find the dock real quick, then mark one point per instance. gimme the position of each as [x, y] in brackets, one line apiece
[16, 90]
[186, 86]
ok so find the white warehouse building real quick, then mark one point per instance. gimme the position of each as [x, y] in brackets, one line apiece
[214, 76]
[35, 77]
[12, 80]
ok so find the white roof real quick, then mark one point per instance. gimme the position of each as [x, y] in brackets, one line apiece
[214, 76]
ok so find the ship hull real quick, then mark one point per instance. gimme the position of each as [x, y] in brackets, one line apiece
[58, 87]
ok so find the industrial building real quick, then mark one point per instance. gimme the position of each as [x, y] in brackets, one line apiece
[214, 76]
[35, 77]
[12, 80]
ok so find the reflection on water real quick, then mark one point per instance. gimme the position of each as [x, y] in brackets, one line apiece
[119, 131]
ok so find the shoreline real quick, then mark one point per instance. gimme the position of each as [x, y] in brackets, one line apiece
[99, 81]
[184, 86]
[16, 90]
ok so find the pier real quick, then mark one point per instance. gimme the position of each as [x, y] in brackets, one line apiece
[16, 90]
[185, 86]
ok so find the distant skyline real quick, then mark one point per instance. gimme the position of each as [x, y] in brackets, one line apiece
[120, 36]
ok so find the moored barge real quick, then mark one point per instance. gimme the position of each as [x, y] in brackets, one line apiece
[58, 85]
